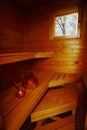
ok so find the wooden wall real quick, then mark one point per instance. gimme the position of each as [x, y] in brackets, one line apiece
[28, 30]
[37, 29]
[11, 28]
[69, 54]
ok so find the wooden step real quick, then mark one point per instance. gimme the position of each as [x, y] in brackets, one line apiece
[55, 101]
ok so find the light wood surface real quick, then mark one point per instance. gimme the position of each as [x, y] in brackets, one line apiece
[62, 78]
[55, 101]
[14, 57]
[16, 110]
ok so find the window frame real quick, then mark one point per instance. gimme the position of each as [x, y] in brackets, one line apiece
[62, 12]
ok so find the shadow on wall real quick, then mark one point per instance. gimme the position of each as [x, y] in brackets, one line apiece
[11, 73]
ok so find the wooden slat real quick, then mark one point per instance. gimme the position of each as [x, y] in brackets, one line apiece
[63, 79]
[55, 102]
[55, 76]
[43, 54]
[55, 118]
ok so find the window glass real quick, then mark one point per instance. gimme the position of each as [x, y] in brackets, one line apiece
[66, 25]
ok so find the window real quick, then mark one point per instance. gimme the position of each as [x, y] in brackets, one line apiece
[65, 24]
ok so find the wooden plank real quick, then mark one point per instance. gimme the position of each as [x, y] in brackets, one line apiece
[15, 118]
[43, 54]
[56, 118]
[59, 124]
[9, 96]
[55, 76]
[55, 102]
[63, 78]
[18, 115]
[9, 100]
[14, 57]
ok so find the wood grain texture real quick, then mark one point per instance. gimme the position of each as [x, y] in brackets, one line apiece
[31, 34]
[15, 57]
[70, 54]
[55, 102]
[62, 78]
[14, 110]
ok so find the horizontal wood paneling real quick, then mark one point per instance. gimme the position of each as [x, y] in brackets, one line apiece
[29, 32]
[69, 54]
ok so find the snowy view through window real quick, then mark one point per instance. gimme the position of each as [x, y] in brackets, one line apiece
[66, 25]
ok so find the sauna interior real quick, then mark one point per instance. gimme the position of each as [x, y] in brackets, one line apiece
[43, 76]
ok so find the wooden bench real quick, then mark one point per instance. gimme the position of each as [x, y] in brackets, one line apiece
[55, 101]
[62, 78]
[16, 110]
